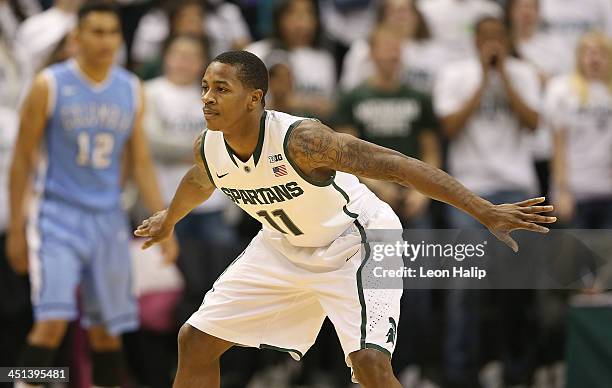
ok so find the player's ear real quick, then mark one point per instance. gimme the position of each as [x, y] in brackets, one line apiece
[255, 98]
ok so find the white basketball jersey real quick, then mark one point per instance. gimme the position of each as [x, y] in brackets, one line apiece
[272, 189]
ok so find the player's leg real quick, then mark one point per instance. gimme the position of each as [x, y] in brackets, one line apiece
[257, 302]
[109, 304]
[372, 369]
[41, 345]
[364, 309]
[199, 353]
[48, 333]
[54, 269]
[106, 357]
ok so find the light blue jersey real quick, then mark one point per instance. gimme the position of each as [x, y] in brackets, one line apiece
[78, 235]
[86, 132]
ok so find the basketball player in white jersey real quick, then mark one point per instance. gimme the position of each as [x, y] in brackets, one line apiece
[299, 178]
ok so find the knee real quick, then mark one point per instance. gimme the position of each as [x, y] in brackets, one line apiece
[101, 341]
[48, 333]
[371, 366]
[198, 347]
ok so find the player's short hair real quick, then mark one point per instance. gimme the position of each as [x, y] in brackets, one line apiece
[107, 6]
[250, 69]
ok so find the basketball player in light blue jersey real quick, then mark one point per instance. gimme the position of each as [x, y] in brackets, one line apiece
[85, 116]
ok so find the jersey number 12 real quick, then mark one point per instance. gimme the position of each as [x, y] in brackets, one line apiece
[103, 144]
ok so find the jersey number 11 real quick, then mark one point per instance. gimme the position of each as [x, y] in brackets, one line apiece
[280, 213]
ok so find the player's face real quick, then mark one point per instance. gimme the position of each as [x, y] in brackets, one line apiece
[99, 37]
[594, 60]
[227, 101]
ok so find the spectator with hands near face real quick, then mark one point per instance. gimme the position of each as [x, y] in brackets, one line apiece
[487, 105]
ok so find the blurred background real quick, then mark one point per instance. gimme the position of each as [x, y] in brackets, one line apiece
[513, 98]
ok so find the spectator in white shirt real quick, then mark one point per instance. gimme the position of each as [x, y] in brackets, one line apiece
[487, 106]
[546, 52]
[421, 56]
[543, 50]
[185, 18]
[578, 107]
[297, 31]
[39, 35]
[452, 22]
[568, 20]
[221, 21]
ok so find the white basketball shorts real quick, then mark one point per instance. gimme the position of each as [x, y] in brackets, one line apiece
[267, 299]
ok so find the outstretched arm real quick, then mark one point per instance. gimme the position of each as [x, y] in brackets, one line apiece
[195, 188]
[316, 149]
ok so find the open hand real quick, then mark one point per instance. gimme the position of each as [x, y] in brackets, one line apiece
[156, 230]
[505, 218]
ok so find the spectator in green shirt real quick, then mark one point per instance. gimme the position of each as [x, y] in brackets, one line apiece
[384, 111]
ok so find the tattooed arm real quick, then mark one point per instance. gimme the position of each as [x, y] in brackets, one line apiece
[319, 151]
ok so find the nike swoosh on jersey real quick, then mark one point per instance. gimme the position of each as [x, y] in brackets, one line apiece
[222, 175]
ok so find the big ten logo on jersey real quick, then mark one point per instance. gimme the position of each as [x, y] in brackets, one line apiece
[275, 158]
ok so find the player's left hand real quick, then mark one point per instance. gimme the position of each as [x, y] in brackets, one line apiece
[505, 218]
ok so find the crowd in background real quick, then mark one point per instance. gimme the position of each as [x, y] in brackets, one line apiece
[513, 98]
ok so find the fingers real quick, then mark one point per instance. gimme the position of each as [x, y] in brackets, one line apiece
[537, 209]
[141, 233]
[509, 241]
[531, 202]
[144, 230]
[150, 242]
[536, 218]
[532, 227]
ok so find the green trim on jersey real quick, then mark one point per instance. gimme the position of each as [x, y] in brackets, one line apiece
[260, 141]
[364, 314]
[230, 152]
[369, 345]
[272, 347]
[212, 289]
[204, 158]
[258, 147]
[348, 200]
[295, 166]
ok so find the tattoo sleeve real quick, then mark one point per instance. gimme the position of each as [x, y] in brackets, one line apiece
[315, 147]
